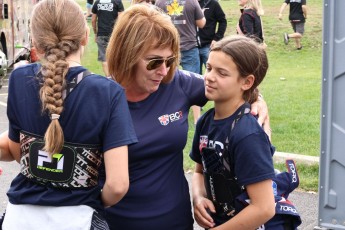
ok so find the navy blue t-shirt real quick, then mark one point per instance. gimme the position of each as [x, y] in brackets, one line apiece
[247, 142]
[95, 113]
[158, 196]
[246, 147]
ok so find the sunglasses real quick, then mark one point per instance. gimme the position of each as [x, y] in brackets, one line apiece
[157, 62]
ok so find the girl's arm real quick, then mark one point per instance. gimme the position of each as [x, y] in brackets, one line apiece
[200, 203]
[9, 150]
[117, 178]
[259, 211]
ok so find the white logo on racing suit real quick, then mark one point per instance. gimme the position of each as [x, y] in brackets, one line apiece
[45, 157]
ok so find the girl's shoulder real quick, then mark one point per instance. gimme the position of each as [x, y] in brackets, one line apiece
[104, 87]
[27, 69]
[246, 126]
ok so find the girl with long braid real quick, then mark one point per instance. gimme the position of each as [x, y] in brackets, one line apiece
[66, 126]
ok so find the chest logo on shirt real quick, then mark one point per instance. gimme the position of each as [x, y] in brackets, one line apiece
[175, 9]
[203, 142]
[106, 6]
[167, 118]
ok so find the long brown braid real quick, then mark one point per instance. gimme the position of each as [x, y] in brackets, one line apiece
[58, 27]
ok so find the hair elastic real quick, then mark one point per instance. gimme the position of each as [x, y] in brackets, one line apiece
[54, 116]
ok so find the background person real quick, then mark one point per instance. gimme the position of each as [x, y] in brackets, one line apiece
[230, 148]
[250, 23]
[213, 31]
[141, 1]
[89, 4]
[61, 136]
[297, 17]
[143, 56]
[104, 16]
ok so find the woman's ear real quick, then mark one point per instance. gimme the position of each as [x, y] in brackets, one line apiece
[248, 82]
[85, 40]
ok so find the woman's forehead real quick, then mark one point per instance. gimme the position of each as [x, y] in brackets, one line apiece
[161, 51]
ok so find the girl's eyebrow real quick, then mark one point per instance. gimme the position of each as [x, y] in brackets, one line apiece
[217, 68]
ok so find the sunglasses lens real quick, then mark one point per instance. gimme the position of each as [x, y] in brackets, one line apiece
[170, 61]
[154, 64]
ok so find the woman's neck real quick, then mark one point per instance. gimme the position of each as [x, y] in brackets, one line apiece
[134, 95]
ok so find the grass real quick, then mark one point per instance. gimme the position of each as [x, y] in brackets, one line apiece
[292, 86]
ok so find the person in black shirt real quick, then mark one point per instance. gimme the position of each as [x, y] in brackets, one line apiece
[104, 16]
[208, 35]
[297, 17]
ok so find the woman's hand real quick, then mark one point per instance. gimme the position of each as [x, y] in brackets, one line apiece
[260, 109]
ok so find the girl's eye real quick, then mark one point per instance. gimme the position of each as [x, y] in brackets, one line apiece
[223, 74]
